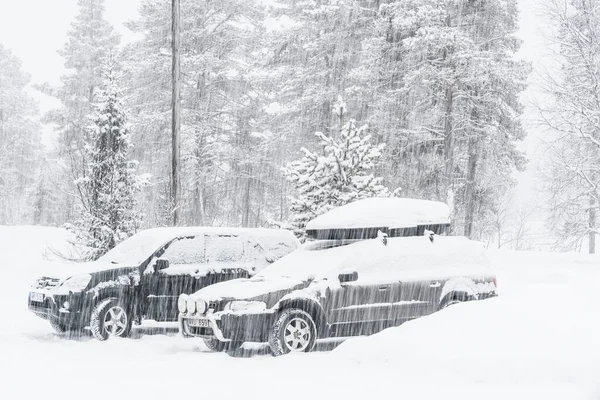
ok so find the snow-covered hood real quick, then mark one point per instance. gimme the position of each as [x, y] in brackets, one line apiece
[54, 281]
[250, 289]
[66, 270]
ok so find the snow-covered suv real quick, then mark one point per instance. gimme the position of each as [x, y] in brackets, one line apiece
[343, 287]
[142, 277]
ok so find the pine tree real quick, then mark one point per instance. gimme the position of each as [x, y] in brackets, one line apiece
[342, 173]
[91, 39]
[221, 181]
[108, 190]
[19, 140]
[448, 102]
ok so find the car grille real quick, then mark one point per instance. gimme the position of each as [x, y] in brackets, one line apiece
[46, 282]
[215, 305]
[202, 332]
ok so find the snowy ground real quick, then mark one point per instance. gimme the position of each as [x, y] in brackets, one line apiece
[540, 339]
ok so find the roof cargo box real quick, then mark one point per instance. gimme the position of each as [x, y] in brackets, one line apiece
[397, 217]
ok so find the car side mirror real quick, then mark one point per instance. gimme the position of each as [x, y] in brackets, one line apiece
[348, 277]
[161, 264]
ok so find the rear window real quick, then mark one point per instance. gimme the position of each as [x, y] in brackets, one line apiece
[221, 248]
[188, 250]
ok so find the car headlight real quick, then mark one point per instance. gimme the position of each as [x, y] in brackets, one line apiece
[191, 305]
[77, 282]
[182, 303]
[200, 306]
[248, 306]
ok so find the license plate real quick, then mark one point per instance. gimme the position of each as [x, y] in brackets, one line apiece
[37, 297]
[199, 323]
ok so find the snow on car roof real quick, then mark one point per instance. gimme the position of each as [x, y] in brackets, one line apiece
[409, 256]
[139, 246]
[172, 232]
[390, 212]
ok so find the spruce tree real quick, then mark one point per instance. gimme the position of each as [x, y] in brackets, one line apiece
[90, 40]
[340, 174]
[108, 190]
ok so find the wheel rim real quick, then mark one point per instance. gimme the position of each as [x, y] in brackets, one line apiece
[115, 321]
[297, 335]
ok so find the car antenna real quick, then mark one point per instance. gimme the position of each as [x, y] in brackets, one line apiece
[429, 233]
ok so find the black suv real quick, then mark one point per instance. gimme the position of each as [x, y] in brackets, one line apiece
[142, 277]
[341, 288]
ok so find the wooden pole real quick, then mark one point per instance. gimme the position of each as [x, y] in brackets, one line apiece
[176, 113]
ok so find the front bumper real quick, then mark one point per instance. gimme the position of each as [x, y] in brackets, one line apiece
[229, 327]
[188, 329]
[51, 308]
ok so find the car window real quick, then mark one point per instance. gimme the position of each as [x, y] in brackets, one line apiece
[224, 248]
[188, 250]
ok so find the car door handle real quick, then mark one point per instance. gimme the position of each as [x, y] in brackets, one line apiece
[435, 284]
[385, 287]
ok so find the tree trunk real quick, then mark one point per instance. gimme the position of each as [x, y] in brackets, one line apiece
[246, 201]
[175, 123]
[470, 187]
[449, 142]
[592, 221]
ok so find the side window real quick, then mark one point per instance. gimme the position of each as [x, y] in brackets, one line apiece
[224, 248]
[187, 250]
[277, 250]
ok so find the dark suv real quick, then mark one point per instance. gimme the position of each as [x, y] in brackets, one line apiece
[142, 277]
[341, 288]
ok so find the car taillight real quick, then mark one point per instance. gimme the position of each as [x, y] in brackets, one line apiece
[495, 282]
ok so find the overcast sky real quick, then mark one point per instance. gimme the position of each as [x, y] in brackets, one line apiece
[36, 29]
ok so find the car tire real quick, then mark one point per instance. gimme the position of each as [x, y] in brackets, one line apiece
[293, 331]
[216, 345]
[58, 327]
[453, 298]
[110, 317]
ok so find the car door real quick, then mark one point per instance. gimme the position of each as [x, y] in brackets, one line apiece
[414, 298]
[359, 307]
[186, 257]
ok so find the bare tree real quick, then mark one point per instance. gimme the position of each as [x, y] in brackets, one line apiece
[573, 156]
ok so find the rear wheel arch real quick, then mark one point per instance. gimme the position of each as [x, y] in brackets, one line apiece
[455, 296]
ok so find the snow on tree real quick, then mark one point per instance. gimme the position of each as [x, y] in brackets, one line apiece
[19, 140]
[341, 173]
[449, 102]
[90, 40]
[107, 214]
[572, 162]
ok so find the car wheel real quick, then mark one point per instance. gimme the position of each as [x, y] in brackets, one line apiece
[110, 318]
[58, 327]
[215, 344]
[452, 299]
[293, 331]
[449, 303]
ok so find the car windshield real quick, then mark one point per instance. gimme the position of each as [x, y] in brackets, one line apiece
[135, 249]
[314, 259]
